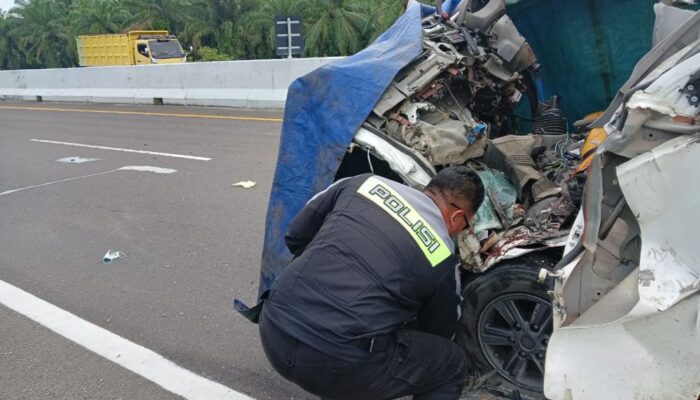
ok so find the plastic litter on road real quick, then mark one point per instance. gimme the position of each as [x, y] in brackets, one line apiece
[112, 255]
[244, 184]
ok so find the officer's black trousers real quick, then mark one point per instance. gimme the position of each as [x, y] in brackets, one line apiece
[428, 366]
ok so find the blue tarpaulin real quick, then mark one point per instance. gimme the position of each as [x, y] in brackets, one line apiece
[323, 111]
[448, 7]
[587, 48]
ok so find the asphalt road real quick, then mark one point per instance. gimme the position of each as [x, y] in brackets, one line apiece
[192, 244]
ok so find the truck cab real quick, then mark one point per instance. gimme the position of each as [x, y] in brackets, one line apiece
[156, 47]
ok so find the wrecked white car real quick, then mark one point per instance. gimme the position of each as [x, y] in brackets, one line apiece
[438, 91]
[451, 106]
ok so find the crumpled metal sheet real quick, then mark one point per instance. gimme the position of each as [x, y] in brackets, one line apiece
[424, 70]
[550, 214]
[463, 85]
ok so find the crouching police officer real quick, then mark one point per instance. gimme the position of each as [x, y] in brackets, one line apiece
[368, 306]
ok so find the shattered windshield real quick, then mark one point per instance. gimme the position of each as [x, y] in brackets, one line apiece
[165, 49]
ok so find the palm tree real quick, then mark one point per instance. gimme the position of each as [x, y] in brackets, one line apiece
[98, 16]
[382, 15]
[42, 33]
[11, 56]
[159, 14]
[336, 27]
[215, 24]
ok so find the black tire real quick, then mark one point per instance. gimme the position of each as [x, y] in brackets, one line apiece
[506, 324]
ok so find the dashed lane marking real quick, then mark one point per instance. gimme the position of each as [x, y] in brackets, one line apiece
[155, 153]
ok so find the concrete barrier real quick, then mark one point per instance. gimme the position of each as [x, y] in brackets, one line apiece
[247, 84]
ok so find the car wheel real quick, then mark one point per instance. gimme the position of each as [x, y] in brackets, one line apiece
[506, 324]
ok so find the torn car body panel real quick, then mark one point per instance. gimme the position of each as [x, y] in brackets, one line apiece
[669, 269]
[655, 357]
[627, 307]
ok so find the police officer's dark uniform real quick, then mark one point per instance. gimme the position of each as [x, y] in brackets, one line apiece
[367, 308]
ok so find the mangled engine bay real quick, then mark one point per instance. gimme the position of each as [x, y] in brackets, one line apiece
[453, 105]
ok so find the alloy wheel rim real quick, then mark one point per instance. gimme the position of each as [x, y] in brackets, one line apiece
[513, 332]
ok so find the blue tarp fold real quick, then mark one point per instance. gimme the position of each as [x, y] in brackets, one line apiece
[323, 111]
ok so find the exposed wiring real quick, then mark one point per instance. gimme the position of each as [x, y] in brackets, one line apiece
[562, 151]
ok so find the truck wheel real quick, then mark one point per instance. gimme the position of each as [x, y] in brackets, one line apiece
[506, 324]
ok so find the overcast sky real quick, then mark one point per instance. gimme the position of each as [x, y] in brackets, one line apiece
[6, 4]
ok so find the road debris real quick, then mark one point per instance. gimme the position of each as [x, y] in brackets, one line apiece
[244, 184]
[112, 255]
[76, 160]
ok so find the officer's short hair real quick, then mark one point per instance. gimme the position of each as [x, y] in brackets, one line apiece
[458, 181]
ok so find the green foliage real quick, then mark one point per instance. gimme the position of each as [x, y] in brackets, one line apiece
[90, 17]
[338, 27]
[11, 56]
[205, 53]
[42, 33]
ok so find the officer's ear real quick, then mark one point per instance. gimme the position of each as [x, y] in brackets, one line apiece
[455, 215]
[454, 218]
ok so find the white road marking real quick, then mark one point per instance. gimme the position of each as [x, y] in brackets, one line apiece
[148, 168]
[155, 153]
[54, 182]
[129, 355]
[142, 168]
[75, 160]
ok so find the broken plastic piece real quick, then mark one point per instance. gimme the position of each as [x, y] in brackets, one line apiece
[244, 184]
[477, 130]
[112, 255]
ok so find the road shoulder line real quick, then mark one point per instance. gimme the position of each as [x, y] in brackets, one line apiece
[144, 113]
[136, 358]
